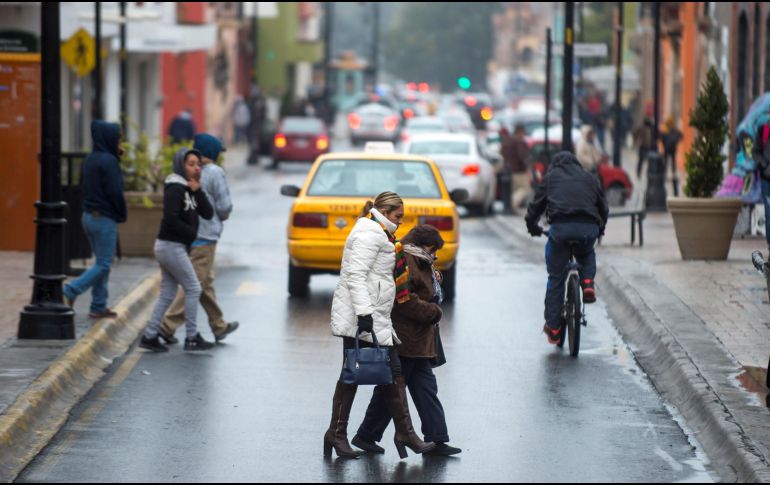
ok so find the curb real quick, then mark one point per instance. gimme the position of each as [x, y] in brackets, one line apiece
[667, 357]
[43, 408]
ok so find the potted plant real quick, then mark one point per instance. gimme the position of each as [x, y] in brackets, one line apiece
[144, 172]
[704, 225]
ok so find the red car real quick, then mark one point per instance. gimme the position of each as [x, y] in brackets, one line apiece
[617, 184]
[300, 140]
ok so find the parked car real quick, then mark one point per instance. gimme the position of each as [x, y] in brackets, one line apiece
[373, 122]
[618, 187]
[335, 191]
[462, 165]
[300, 139]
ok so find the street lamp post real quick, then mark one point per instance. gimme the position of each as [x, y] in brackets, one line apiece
[123, 72]
[617, 145]
[548, 61]
[656, 170]
[97, 109]
[569, 58]
[47, 317]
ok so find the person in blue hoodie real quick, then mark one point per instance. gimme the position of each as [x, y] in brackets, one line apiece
[104, 207]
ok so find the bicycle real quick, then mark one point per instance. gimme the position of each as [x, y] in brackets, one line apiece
[573, 311]
[764, 268]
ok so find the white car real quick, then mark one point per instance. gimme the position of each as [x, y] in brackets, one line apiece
[462, 165]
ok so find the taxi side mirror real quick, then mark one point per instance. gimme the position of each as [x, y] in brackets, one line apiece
[290, 190]
[459, 195]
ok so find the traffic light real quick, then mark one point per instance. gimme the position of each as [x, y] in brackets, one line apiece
[463, 82]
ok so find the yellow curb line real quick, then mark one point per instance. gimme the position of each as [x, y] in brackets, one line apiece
[42, 409]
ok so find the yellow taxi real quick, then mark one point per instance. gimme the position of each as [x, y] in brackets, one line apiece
[333, 197]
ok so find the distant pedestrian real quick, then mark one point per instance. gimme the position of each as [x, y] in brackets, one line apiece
[515, 151]
[104, 207]
[644, 139]
[588, 154]
[241, 119]
[417, 323]
[671, 138]
[202, 254]
[183, 203]
[182, 128]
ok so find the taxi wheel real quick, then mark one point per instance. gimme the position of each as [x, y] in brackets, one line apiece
[299, 281]
[448, 285]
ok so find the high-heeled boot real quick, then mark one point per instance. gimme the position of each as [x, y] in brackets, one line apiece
[399, 408]
[337, 435]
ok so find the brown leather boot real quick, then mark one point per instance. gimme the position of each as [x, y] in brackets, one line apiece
[337, 435]
[399, 408]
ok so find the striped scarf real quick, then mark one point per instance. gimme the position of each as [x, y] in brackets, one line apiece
[401, 271]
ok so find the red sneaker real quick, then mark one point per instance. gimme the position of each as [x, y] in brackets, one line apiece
[589, 292]
[552, 334]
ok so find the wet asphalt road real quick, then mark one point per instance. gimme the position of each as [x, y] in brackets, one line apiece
[256, 408]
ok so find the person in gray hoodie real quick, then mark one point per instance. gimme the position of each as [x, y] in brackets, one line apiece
[202, 254]
[183, 203]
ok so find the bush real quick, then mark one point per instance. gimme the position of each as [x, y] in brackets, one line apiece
[705, 159]
[144, 171]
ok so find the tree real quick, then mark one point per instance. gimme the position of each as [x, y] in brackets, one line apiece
[439, 42]
[705, 158]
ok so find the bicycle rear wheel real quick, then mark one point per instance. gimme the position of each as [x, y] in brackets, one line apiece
[574, 316]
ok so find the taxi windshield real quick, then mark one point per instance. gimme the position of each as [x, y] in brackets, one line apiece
[367, 178]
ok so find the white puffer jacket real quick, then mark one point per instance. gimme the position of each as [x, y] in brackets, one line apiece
[366, 285]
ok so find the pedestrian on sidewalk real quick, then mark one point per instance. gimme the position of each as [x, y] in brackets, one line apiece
[588, 154]
[214, 185]
[183, 203]
[182, 127]
[644, 139]
[515, 151]
[671, 138]
[372, 277]
[573, 202]
[104, 207]
[417, 323]
[241, 119]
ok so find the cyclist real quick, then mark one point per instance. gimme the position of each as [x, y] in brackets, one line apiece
[574, 205]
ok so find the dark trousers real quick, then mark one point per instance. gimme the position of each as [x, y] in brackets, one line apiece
[422, 385]
[565, 238]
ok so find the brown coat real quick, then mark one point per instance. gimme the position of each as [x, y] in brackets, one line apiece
[515, 152]
[414, 320]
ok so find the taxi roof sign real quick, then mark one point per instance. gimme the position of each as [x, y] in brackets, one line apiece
[379, 147]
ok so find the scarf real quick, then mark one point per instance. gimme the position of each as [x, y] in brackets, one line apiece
[423, 255]
[401, 271]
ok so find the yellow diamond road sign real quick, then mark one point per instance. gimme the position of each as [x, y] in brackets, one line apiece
[80, 52]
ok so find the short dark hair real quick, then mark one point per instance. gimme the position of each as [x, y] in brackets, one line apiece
[424, 235]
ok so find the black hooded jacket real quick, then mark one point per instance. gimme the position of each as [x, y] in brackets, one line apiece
[182, 206]
[102, 179]
[568, 194]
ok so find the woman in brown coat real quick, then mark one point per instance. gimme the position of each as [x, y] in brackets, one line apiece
[416, 323]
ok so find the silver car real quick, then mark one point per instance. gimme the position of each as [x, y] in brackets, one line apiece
[462, 165]
[373, 122]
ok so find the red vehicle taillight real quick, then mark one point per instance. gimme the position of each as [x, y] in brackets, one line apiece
[440, 223]
[391, 122]
[471, 101]
[309, 219]
[354, 121]
[408, 114]
[471, 170]
[322, 143]
[280, 141]
[487, 114]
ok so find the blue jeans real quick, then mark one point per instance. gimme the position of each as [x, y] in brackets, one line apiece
[766, 198]
[557, 255]
[102, 233]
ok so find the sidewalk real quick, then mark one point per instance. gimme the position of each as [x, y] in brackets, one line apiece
[701, 330]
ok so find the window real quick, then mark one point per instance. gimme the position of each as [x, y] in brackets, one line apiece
[440, 147]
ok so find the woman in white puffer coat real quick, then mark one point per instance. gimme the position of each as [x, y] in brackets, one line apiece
[363, 301]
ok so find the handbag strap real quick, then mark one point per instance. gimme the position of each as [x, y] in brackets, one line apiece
[374, 339]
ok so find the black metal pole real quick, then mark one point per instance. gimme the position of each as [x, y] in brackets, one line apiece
[548, 61]
[656, 80]
[47, 317]
[569, 58]
[97, 110]
[617, 145]
[123, 71]
[329, 83]
[656, 171]
[376, 43]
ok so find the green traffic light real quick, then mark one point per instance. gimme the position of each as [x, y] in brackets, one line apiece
[464, 82]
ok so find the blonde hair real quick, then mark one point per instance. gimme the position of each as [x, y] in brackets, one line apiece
[386, 202]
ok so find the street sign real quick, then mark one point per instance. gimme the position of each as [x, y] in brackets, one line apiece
[582, 50]
[79, 52]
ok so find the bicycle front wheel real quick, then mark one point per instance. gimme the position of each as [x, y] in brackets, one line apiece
[574, 315]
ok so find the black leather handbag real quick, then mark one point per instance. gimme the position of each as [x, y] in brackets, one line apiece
[440, 358]
[367, 366]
